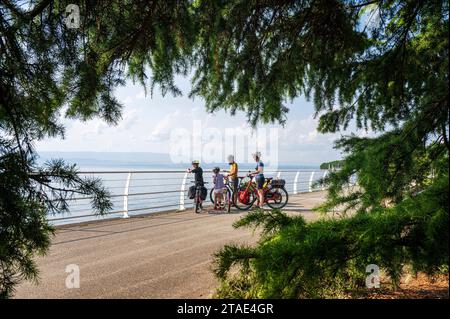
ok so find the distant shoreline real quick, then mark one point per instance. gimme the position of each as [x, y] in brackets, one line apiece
[141, 160]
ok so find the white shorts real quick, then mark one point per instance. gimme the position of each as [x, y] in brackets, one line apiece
[219, 191]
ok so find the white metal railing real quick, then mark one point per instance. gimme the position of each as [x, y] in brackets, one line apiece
[147, 191]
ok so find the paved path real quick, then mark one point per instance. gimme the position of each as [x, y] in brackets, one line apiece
[162, 256]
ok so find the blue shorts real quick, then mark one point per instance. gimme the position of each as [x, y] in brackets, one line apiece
[260, 181]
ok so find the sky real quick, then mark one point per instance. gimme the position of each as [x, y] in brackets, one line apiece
[151, 124]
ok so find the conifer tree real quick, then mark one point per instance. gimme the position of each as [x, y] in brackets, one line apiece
[382, 64]
[50, 70]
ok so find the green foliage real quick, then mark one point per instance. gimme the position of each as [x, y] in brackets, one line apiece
[23, 230]
[48, 71]
[26, 200]
[270, 222]
[388, 169]
[331, 165]
[328, 258]
[383, 66]
[390, 76]
[42, 73]
[255, 55]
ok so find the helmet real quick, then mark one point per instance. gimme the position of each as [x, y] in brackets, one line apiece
[195, 162]
[230, 158]
[257, 154]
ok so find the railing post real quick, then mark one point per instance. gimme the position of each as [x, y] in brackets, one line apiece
[311, 181]
[182, 191]
[295, 183]
[125, 196]
[324, 175]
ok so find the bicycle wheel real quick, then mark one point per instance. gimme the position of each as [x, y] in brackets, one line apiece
[244, 200]
[277, 198]
[227, 200]
[197, 202]
[211, 196]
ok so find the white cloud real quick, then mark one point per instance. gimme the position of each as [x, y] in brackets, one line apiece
[127, 100]
[130, 118]
[140, 95]
[130, 99]
[148, 122]
[162, 130]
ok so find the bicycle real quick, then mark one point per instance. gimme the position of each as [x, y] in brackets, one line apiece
[198, 196]
[230, 190]
[275, 195]
[227, 201]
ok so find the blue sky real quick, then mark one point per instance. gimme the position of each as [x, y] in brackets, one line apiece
[148, 122]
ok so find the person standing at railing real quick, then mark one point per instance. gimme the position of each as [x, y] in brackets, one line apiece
[198, 173]
[233, 175]
[198, 176]
[259, 177]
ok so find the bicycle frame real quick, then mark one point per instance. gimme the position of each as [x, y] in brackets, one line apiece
[251, 188]
[197, 199]
[229, 188]
[274, 197]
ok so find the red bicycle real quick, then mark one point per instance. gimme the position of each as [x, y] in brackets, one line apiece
[275, 195]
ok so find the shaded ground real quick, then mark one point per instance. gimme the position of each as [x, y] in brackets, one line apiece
[412, 287]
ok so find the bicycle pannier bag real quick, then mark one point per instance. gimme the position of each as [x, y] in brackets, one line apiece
[244, 197]
[203, 193]
[278, 183]
[191, 192]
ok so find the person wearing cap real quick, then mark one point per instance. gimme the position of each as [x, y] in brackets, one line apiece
[233, 175]
[198, 176]
[198, 173]
[259, 177]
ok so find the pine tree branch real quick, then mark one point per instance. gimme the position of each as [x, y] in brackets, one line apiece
[41, 6]
[355, 6]
[444, 131]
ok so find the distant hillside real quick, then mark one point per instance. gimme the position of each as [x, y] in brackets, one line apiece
[140, 160]
[108, 159]
[329, 165]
